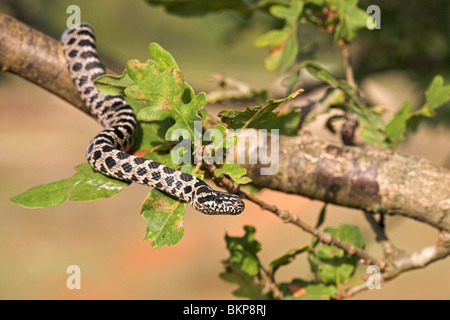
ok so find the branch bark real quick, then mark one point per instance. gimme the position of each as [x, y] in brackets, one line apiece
[403, 263]
[359, 177]
[363, 178]
[36, 57]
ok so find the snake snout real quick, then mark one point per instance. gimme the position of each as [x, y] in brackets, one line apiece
[231, 204]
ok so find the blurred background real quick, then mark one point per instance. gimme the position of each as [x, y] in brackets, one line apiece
[42, 139]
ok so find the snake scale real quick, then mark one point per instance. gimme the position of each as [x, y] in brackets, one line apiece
[107, 152]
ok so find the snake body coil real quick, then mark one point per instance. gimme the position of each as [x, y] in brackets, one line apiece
[107, 151]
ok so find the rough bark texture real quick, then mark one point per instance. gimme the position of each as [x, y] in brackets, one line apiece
[360, 177]
[363, 178]
[36, 57]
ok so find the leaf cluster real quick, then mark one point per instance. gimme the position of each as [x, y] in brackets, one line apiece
[332, 267]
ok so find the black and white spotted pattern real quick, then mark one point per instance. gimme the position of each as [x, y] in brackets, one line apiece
[107, 151]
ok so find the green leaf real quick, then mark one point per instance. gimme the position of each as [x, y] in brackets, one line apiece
[113, 85]
[335, 265]
[234, 171]
[277, 41]
[283, 43]
[162, 94]
[163, 59]
[163, 212]
[286, 123]
[327, 252]
[243, 252]
[351, 19]
[372, 129]
[320, 73]
[336, 274]
[85, 185]
[372, 126]
[437, 94]
[243, 265]
[286, 258]
[313, 260]
[255, 117]
[248, 287]
[151, 136]
[290, 51]
[165, 219]
[348, 233]
[45, 196]
[291, 14]
[396, 128]
[272, 38]
[273, 61]
[299, 289]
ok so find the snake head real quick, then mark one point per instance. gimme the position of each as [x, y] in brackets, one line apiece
[216, 202]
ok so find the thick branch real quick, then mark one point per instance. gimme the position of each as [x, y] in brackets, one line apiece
[368, 179]
[361, 178]
[36, 57]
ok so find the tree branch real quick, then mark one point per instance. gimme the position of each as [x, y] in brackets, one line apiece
[413, 261]
[363, 178]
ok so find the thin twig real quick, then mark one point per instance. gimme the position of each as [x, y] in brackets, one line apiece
[287, 217]
[324, 237]
[272, 285]
[348, 64]
[415, 260]
[348, 133]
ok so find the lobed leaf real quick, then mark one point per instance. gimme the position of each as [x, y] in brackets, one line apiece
[85, 185]
[163, 59]
[165, 219]
[113, 85]
[335, 265]
[397, 127]
[437, 94]
[248, 287]
[299, 289]
[235, 172]
[286, 258]
[351, 19]
[255, 117]
[243, 265]
[162, 94]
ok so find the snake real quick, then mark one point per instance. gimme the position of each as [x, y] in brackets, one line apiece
[107, 152]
